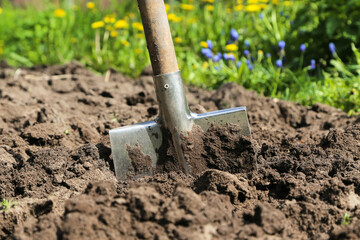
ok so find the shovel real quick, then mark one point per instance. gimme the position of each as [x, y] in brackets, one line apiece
[136, 149]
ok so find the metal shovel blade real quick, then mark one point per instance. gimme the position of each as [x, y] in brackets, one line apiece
[136, 148]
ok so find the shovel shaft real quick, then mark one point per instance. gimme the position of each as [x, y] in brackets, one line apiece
[158, 36]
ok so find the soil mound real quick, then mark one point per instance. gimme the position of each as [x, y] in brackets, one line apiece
[55, 161]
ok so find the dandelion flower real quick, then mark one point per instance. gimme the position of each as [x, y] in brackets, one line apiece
[252, 1]
[231, 47]
[125, 43]
[1, 10]
[138, 26]
[287, 3]
[178, 40]
[121, 24]
[187, 7]
[174, 18]
[167, 7]
[276, 2]
[90, 5]
[97, 24]
[210, 7]
[239, 7]
[204, 44]
[252, 8]
[109, 19]
[60, 13]
[113, 33]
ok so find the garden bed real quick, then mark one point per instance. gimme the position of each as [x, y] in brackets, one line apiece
[56, 163]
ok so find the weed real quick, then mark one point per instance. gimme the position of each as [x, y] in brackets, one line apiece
[7, 204]
[346, 219]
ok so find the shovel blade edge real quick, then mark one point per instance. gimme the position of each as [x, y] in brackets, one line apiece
[135, 143]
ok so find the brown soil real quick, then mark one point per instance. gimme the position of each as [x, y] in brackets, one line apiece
[55, 161]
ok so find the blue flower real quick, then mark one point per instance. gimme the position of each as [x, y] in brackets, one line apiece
[210, 44]
[279, 63]
[302, 47]
[312, 64]
[282, 45]
[234, 34]
[250, 66]
[216, 68]
[229, 56]
[261, 15]
[217, 57]
[247, 43]
[247, 53]
[238, 64]
[268, 55]
[332, 47]
[207, 52]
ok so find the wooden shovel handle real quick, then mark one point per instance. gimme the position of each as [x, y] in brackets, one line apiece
[158, 36]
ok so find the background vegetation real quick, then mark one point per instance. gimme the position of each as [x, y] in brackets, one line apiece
[303, 51]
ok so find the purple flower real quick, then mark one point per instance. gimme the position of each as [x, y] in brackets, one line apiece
[302, 47]
[229, 56]
[268, 55]
[332, 47]
[238, 64]
[217, 57]
[282, 45]
[261, 15]
[210, 44]
[247, 43]
[279, 63]
[234, 34]
[312, 64]
[247, 53]
[207, 52]
[250, 66]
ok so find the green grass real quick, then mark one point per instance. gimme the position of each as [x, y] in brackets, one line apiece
[30, 36]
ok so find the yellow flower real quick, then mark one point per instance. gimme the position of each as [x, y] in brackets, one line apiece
[287, 3]
[178, 40]
[210, 7]
[204, 44]
[120, 24]
[97, 24]
[60, 13]
[125, 43]
[138, 26]
[113, 33]
[231, 47]
[209, 1]
[252, 8]
[140, 35]
[239, 7]
[138, 50]
[276, 2]
[264, 1]
[260, 52]
[90, 5]
[187, 6]
[174, 18]
[167, 7]
[1, 10]
[262, 6]
[109, 19]
[252, 1]
[205, 65]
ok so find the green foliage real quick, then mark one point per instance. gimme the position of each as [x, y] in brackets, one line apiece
[346, 219]
[7, 204]
[31, 36]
